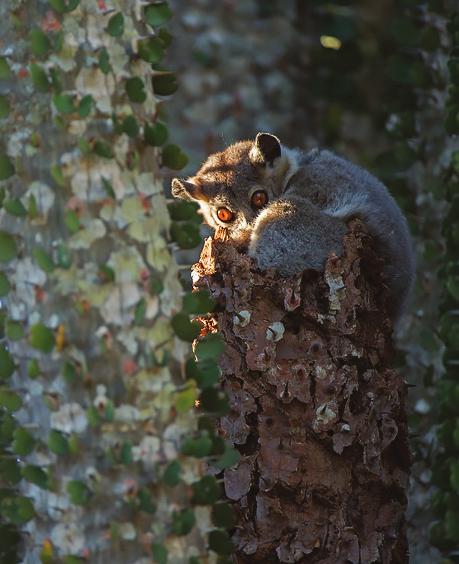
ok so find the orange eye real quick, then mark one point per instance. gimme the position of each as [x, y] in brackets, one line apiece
[225, 215]
[259, 199]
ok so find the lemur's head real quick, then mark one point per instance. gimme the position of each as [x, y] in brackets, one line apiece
[233, 186]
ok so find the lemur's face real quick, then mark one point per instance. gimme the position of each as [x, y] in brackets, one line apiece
[233, 186]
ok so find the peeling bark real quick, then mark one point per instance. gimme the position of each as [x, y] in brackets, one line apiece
[316, 412]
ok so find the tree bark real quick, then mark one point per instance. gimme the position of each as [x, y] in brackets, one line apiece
[317, 412]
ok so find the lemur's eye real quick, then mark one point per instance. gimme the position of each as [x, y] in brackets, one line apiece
[259, 199]
[225, 215]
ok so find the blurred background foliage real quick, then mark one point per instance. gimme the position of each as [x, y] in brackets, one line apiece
[376, 81]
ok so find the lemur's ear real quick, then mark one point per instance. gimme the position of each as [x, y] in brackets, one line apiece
[186, 190]
[266, 149]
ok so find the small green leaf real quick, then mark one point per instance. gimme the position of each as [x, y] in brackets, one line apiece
[206, 491]
[155, 135]
[33, 368]
[43, 259]
[23, 442]
[64, 256]
[104, 61]
[84, 109]
[71, 221]
[103, 150]
[6, 167]
[165, 36]
[183, 521]
[17, 509]
[8, 248]
[126, 453]
[157, 14]
[32, 207]
[5, 107]
[172, 474]
[10, 400]
[10, 471]
[15, 207]
[199, 447]
[14, 330]
[184, 328]
[186, 235]
[41, 338]
[156, 284]
[7, 366]
[229, 458]
[39, 78]
[145, 501]
[36, 475]
[140, 311]
[130, 126]
[198, 302]
[210, 347]
[151, 50]
[58, 175]
[5, 285]
[64, 103]
[220, 542]
[173, 157]
[164, 84]
[115, 26]
[58, 443]
[39, 42]
[159, 553]
[78, 492]
[183, 211]
[185, 399]
[135, 89]
[5, 71]
[223, 515]
[64, 6]
[206, 373]
[214, 400]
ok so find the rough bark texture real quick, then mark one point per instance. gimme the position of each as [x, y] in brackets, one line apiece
[316, 411]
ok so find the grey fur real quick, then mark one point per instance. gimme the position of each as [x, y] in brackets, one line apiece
[311, 197]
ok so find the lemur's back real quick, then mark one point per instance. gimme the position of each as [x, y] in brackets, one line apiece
[344, 190]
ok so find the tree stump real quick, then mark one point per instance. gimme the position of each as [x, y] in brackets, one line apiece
[317, 412]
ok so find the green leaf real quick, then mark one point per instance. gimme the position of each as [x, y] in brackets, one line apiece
[5, 107]
[210, 347]
[184, 328]
[151, 50]
[223, 515]
[164, 84]
[41, 338]
[64, 256]
[5, 71]
[39, 42]
[32, 207]
[36, 475]
[71, 221]
[33, 368]
[78, 492]
[64, 6]
[7, 366]
[5, 286]
[183, 211]
[145, 501]
[214, 400]
[115, 26]
[165, 36]
[126, 453]
[186, 235]
[23, 442]
[14, 330]
[10, 400]
[159, 553]
[452, 285]
[199, 447]
[130, 126]
[39, 78]
[10, 471]
[84, 109]
[173, 157]
[58, 175]
[155, 135]
[172, 474]
[64, 103]
[228, 459]
[206, 372]
[58, 442]
[43, 259]
[17, 509]
[206, 491]
[157, 14]
[183, 521]
[220, 542]
[185, 399]
[140, 311]
[103, 150]
[15, 207]
[198, 302]
[8, 249]
[135, 89]
[7, 169]
[156, 284]
[104, 61]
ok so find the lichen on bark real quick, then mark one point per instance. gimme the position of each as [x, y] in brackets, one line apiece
[317, 412]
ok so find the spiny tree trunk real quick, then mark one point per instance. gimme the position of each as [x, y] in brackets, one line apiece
[317, 413]
[92, 414]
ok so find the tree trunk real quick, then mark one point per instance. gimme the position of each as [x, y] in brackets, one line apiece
[317, 413]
